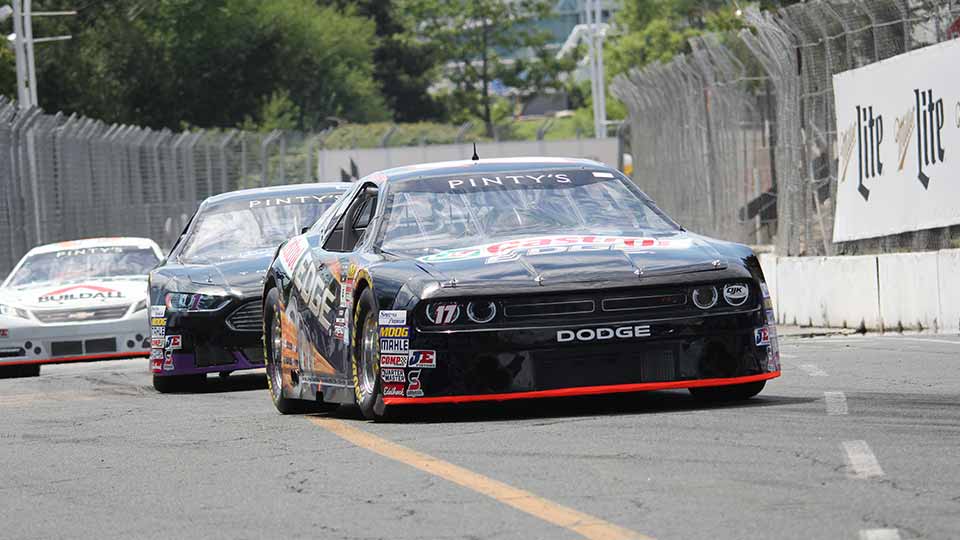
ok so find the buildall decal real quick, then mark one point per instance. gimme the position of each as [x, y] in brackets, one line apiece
[65, 295]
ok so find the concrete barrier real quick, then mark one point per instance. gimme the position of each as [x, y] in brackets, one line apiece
[948, 271]
[838, 292]
[902, 291]
[909, 291]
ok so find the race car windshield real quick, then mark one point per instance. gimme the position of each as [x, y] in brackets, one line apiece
[235, 231]
[87, 263]
[426, 216]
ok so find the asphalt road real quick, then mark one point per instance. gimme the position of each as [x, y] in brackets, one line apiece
[858, 439]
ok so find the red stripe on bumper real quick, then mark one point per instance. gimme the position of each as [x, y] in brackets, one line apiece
[111, 356]
[581, 391]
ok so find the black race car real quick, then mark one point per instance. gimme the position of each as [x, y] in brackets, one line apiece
[509, 279]
[205, 297]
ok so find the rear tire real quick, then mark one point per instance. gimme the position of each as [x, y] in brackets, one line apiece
[178, 383]
[733, 392]
[16, 372]
[365, 360]
[273, 343]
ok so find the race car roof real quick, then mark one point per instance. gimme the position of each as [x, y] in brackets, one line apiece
[494, 165]
[275, 191]
[143, 243]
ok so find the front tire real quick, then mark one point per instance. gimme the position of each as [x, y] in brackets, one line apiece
[365, 361]
[177, 383]
[273, 342]
[733, 392]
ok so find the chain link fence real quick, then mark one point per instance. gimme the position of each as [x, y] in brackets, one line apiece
[67, 177]
[738, 139]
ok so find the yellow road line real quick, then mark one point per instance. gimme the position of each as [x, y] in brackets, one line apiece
[585, 525]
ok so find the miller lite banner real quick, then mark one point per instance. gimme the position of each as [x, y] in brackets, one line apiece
[898, 144]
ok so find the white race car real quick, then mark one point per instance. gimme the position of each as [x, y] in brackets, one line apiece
[80, 300]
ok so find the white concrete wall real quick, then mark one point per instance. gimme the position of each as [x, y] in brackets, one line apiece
[909, 291]
[948, 270]
[838, 292]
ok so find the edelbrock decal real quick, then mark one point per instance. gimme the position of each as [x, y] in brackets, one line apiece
[392, 389]
[585, 335]
[736, 294]
[544, 245]
[393, 318]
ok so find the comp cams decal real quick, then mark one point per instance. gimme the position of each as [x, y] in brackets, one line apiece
[393, 360]
[546, 245]
[586, 335]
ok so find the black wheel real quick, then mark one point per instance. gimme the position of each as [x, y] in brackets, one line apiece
[733, 392]
[365, 352]
[15, 372]
[178, 383]
[273, 342]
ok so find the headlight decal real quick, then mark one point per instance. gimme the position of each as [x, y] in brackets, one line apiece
[179, 302]
[13, 311]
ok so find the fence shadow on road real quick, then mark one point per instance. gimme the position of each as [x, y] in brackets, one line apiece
[656, 402]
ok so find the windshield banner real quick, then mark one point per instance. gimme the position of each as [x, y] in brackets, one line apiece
[506, 181]
[546, 245]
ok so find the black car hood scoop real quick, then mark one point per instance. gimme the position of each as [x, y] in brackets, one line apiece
[243, 275]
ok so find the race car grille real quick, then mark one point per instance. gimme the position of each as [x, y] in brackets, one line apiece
[81, 315]
[247, 318]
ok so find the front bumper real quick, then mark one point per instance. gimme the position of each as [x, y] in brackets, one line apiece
[206, 342]
[528, 363]
[30, 342]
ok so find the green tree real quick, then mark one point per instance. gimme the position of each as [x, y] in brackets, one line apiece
[165, 63]
[474, 36]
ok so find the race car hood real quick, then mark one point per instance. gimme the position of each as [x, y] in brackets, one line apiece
[559, 260]
[244, 276]
[77, 294]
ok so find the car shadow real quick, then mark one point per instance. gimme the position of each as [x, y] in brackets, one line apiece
[650, 402]
[233, 383]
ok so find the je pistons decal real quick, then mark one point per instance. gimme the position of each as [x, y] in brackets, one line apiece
[548, 245]
[423, 359]
[393, 360]
[392, 376]
[762, 336]
[174, 343]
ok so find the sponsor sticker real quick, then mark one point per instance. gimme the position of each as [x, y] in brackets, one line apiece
[413, 388]
[4, 333]
[393, 318]
[599, 174]
[158, 331]
[392, 375]
[736, 294]
[156, 364]
[158, 311]
[394, 331]
[158, 321]
[443, 313]
[545, 245]
[80, 292]
[423, 359]
[771, 317]
[174, 343]
[168, 361]
[156, 343]
[393, 360]
[393, 389]
[156, 354]
[764, 290]
[394, 345]
[762, 336]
